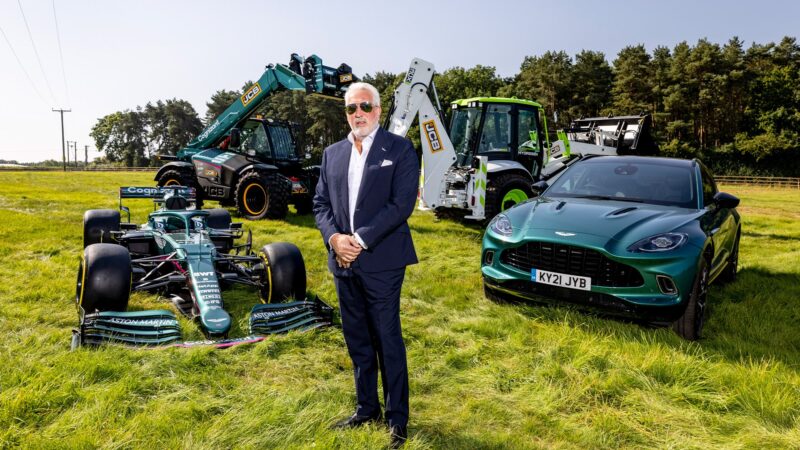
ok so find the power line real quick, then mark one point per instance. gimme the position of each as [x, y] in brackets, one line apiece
[61, 54]
[21, 66]
[36, 52]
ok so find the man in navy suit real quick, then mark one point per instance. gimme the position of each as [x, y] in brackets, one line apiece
[366, 191]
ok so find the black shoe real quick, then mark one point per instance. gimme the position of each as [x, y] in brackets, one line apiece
[355, 421]
[399, 435]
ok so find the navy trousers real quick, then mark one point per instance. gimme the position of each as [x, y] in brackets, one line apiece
[369, 304]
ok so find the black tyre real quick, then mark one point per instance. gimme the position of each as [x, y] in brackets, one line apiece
[219, 219]
[690, 325]
[505, 191]
[728, 275]
[104, 278]
[304, 203]
[455, 214]
[98, 225]
[261, 196]
[284, 274]
[182, 178]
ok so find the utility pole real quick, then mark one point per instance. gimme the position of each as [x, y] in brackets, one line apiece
[75, 153]
[85, 156]
[63, 150]
[69, 147]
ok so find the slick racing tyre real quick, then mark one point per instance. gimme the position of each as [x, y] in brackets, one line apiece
[98, 225]
[263, 196]
[690, 325]
[181, 178]
[104, 278]
[505, 191]
[284, 274]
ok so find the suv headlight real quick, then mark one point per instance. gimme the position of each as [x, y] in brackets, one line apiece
[501, 225]
[660, 243]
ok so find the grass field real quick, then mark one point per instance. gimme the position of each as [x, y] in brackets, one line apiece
[482, 375]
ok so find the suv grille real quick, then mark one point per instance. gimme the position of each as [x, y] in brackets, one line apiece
[572, 260]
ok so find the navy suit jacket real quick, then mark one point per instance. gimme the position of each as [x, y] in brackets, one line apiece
[385, 200]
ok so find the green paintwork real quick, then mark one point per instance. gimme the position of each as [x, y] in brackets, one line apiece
[467, 101]
[514, 195]
[275, 78]
[562, 136]
[175, 231]
[611, 226]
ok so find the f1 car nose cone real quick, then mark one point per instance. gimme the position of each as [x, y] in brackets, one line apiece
[216, 321]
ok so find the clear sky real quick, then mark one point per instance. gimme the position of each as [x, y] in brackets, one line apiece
[120, 54]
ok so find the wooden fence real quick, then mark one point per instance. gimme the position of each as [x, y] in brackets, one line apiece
[788, 182]
[77, 169]
[785, 182]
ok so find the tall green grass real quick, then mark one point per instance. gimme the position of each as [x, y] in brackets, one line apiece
[483, 375]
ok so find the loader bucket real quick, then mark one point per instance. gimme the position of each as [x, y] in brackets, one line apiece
[630, 135]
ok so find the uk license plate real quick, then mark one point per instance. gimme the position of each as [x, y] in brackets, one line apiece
[561, 279]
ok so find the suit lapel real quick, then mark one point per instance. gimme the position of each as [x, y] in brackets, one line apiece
[377, 153]
[343, 164]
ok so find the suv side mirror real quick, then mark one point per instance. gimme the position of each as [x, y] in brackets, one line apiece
[725, 200]
[540, 186]
[236, 138]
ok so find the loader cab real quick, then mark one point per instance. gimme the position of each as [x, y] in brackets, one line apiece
[270, 141]
[499, 128]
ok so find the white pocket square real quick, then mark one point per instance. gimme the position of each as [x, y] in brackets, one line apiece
[385, 163]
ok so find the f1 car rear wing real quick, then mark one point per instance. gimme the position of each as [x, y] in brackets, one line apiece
[173, 197]
[157, 193]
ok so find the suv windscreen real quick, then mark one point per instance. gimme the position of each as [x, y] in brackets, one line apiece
[644, 182]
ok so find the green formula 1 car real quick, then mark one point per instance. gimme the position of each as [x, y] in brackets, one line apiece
[631, 236]
[188, 256]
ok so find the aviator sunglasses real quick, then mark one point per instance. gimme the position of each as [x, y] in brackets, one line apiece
[365, 106]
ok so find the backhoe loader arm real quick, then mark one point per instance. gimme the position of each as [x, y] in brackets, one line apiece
[412, 98]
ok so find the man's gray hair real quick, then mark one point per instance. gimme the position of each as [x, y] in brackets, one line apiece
[362, 86]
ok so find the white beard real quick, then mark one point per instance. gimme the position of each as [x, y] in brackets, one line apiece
[362, 132]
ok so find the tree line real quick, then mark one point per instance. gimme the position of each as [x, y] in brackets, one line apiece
[737, 109]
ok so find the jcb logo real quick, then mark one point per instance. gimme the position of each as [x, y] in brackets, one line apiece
[410, 75]
[251, 94]
[429, 128]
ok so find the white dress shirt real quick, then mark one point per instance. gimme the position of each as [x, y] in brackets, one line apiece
[355, 173]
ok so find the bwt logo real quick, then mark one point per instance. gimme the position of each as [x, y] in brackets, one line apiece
[433, 136]
[204, 274]
[251, 94]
